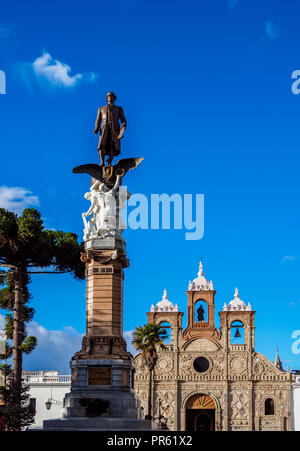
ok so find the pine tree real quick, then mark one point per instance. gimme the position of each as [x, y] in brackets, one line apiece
[15, 410]
[26, 248]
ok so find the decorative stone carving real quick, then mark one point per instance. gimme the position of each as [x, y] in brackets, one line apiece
[237, 365]
[201, 344]
[218, 365]
[239, 404]
[105, 210]
[268, 424]
[258, 368]
[238, 379]
[164, 365]
[166, 400]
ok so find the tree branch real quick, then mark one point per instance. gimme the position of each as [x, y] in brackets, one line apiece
[49, 272]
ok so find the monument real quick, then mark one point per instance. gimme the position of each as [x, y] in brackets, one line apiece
[101, 396]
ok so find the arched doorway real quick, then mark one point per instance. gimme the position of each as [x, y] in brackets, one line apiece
[200, 413]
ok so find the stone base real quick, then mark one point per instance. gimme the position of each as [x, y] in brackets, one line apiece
[105, 243]
[103, 347]
[101, 398]
[97, 424]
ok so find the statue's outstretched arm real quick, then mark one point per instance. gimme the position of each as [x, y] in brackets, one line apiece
[91, 209]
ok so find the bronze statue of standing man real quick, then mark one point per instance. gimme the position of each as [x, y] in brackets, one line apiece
[108, 122]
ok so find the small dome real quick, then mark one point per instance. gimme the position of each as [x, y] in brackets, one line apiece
[164, 305]
[237, 303]
[200, 283]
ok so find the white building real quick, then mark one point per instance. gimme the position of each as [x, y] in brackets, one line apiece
[47, 389]
[296, 403]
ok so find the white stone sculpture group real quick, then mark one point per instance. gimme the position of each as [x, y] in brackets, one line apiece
[106, 205]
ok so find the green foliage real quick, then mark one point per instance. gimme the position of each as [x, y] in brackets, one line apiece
[5, 370]
[28, 345]
[8, 233]
[146, 338]
[66, 252]
[6, 298]
[24, 242]
[28, 313]
[15, 412]
[9, 325]
[27, 246]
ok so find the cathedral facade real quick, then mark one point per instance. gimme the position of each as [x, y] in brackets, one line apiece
[210, 379]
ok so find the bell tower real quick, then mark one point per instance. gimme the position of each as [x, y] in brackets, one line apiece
[237, 325]
[165, 311]
[201, 309]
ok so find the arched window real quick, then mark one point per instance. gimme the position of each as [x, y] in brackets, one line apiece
[237, 333]
[269, 406]
[200, 311]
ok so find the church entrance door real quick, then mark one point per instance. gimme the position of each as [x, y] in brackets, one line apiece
[200, 413]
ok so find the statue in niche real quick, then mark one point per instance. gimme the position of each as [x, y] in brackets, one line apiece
[200, 313]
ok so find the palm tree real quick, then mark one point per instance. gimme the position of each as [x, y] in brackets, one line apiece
[146, 338]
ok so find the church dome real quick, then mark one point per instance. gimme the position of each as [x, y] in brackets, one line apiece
[237, 303]
[200, 283]
[164, 305]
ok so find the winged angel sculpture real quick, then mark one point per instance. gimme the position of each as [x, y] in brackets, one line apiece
[106, 196]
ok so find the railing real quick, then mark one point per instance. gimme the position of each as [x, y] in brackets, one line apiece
[46, 377]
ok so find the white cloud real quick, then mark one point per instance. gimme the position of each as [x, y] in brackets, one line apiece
[128, 337]
[58, 73]
[55, 348]
[288, 258]
[16, 198]
[271, 30]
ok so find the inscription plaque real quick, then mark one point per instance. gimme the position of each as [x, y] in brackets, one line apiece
[99, 376]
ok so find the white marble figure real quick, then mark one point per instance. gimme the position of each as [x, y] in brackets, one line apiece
[105, 208]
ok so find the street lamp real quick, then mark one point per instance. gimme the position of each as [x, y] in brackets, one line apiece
[48, 404]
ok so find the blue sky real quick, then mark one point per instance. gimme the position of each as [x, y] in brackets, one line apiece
[206, 89]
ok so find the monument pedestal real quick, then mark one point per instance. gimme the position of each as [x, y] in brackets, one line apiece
[101, 396]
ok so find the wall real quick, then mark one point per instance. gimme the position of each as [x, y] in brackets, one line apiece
[296, 405]
[43, 386]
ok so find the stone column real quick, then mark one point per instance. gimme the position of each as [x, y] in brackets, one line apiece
[101, 396]
[105, 261]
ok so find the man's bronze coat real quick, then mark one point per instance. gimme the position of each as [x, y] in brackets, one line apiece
[102, 121]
